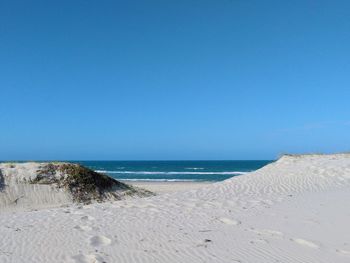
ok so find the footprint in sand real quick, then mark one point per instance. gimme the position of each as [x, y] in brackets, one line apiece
[82, 228]
[273, 232]
[306, 243]
[86, 218]
[259, 241]
[229, 221]
[267, 232]
[88, 259]
[98, 241]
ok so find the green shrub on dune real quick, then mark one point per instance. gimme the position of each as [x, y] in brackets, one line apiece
[84, 184]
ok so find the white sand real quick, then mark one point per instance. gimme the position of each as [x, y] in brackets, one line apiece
[17, 194]
[19, 190]
[294, 210]
[167, 187]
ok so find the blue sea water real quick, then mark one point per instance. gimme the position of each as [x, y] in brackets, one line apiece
[174, 170]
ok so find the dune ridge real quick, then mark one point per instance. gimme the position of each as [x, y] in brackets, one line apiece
[292, 210]
[32, 185]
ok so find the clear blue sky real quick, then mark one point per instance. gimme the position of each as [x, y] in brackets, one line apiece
[127, 80]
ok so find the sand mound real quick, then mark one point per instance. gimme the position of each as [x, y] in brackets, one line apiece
[38, 185]
[293, 210]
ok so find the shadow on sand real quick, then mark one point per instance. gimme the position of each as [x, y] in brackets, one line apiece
[2, 181]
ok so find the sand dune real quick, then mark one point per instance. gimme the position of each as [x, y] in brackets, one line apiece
[293, 210]
[29, 186]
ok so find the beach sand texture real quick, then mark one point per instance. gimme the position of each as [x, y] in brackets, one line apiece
[168, 187]
[34, 185]
[293, 210]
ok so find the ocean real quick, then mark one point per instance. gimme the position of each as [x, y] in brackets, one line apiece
[174, 170]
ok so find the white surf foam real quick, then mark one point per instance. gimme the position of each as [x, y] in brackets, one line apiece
[170, 173]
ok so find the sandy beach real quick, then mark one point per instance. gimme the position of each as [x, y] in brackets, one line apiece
[168, 187]
[175, 131]
[293, 210]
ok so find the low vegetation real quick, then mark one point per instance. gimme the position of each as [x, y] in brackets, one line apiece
[84, 184]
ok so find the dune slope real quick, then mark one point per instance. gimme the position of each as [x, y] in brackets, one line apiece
[29, 186]
[293, 210]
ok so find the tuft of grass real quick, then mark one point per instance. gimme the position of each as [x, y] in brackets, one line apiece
[85, 184]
